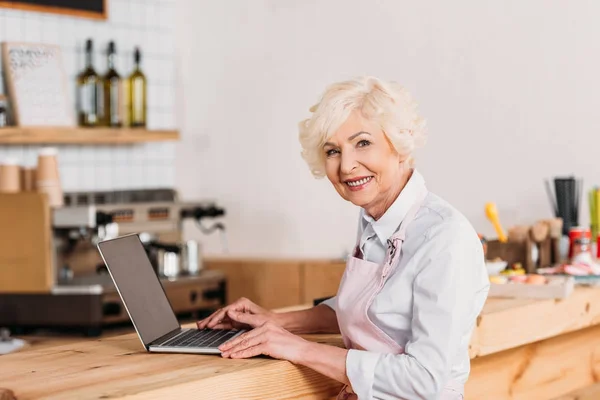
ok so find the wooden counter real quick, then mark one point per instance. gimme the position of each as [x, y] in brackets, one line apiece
[521, 349]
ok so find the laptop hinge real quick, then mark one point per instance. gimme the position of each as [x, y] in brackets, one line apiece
[166, 337]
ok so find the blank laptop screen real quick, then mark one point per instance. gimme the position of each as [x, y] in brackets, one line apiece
[139, 287]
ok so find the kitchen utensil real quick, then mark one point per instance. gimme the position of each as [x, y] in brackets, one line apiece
[539, 235]
[191, 262]
[540, 231]
[174, 259]
[518, 233]
[492, 214]
[566, 205]
[168, 263]
[555, 225]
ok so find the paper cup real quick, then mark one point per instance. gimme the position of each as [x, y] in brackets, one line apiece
[10, 180]
[47, 177]
[28, 179]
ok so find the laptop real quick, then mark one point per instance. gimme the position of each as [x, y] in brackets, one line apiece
[148, 306]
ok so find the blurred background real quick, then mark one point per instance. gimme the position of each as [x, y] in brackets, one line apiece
[178, 120]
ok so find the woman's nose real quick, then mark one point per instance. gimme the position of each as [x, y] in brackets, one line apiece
[348, 162]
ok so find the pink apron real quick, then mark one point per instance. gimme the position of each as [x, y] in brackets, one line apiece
[361, 282]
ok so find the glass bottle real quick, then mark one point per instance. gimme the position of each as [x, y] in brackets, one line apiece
[87, 90]
[112, 92]
[137, 93]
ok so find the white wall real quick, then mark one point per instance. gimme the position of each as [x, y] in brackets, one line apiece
[145, 23]
[510, 90]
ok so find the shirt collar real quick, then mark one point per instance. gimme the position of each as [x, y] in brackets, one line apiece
[389, 222]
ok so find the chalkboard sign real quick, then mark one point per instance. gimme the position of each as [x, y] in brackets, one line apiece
[97, 9]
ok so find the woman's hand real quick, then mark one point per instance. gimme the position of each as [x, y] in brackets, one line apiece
[220, 319]
[267, 338]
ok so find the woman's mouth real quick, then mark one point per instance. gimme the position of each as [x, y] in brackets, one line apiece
[358, 183]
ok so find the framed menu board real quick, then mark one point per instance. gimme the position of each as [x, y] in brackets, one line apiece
[97, 9]
[37, 85]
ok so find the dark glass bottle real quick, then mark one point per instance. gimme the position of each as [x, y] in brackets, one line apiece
[87, 90]
[112, 92]
[137, 93]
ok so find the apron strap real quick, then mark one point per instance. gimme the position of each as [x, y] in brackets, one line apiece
[395, 241]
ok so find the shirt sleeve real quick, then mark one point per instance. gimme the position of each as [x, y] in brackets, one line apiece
[330, 302]
[444, 309]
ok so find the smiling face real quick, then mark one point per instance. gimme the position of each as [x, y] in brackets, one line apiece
[363, 166]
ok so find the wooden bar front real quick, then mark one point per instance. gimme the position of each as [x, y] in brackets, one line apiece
[520, 349]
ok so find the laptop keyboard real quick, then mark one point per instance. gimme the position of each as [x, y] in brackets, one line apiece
[200, 338]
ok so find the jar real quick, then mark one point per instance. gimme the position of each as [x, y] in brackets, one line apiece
[580, 241]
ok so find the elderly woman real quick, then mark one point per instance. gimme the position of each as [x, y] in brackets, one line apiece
[411, 292]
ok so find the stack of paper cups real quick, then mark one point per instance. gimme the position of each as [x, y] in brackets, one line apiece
[47, 177]
[10, 180]
[28, 179]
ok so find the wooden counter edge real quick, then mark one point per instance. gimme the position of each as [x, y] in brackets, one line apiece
[508, 323]
[522, 322]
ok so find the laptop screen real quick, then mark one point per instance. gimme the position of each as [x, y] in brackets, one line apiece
[139, 287]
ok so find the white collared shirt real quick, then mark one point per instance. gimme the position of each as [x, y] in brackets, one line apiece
[428, 305]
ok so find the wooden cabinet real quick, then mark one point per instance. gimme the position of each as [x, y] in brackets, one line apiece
[279, 283]
[271, 284]
[320, 279]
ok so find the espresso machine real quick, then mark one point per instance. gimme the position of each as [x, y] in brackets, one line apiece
[52, 275]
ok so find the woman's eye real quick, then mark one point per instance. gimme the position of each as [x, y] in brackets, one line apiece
[363, 143]
[331, 152]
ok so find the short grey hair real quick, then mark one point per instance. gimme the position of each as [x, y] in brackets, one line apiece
[386, 103]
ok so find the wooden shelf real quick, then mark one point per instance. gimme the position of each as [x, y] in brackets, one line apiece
[83, 136]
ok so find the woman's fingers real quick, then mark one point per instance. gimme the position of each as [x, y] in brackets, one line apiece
[242, 305]
[252, 320]
[243, 338]
[213, 319]
[248, 352]
[203, 322]
[245, 343]
[226, 325]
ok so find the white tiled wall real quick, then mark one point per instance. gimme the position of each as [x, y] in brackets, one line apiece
[145, 23]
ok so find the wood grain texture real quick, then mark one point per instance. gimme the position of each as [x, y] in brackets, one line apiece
[49, 135]
[320, 279]
[25, 248]
[503, 324]
[521, 349]
[118, 367]
[542, 370]
[547, 364]
[268, 283]
[509, 323]
[57, 10]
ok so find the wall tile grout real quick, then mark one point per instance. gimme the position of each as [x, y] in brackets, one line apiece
[108, 167]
